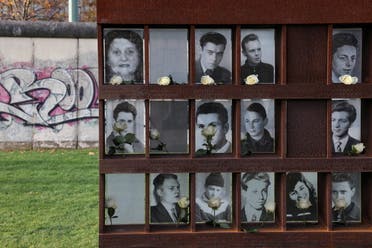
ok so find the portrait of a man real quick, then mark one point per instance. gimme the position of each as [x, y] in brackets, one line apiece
[211, 186]
[258, 126]
[258, 50]
[215, 116]
[343, 119]
[256, 194]
[124, 127]
[212, 50]
[345, 192]
[167, 189]
[346, 50]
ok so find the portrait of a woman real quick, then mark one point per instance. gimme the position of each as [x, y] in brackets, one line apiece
[123, 57]
[301, 198]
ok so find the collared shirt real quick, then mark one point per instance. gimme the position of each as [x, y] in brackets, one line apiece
[335, 78]
[253, 215]
[343, 142]
[226, 148]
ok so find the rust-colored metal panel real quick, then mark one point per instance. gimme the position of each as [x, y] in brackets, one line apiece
[233, 12]
[306, 128]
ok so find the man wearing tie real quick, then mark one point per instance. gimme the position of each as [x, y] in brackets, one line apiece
[343, 116]
[166, 193]
[213, 46]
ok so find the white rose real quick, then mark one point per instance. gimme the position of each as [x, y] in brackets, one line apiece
[270, 207]
[209, 131]
[110, 203]
[347, 79]
[214, 203]
[340, 204]
[359, 148]
[119, 127]
[303, 204]
[164, 81]
[116, 80]
[154, 134]
[251, 79]
[184, 202]
[206, 80]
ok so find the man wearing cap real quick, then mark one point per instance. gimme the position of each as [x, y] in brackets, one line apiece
[214, 188]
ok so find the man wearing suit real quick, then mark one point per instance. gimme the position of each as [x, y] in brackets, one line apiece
[212, 45]
[343, 116]
[343, 190]
[166, 193]
[254, 196]
[251, 48]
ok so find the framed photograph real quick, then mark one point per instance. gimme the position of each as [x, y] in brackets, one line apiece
[124, 127]
[347, 55]
[212, 188]
[123, 206]
[346, 125]
[213, 128]
[257, 56]
[302, 201]
[257, 125]
[169, 55]
[346, 197]
[166, 190]
[169, 126]
[257, 197]
[213, 54]
[123, 56]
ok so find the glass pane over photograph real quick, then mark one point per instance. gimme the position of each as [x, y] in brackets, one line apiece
[169, 55]
[213, 54]
[257, 126]
[347, 55]
[124, 127]
[213, 197]
[346, 125]
[257, 57]
[169, 126]
[346, 197]
[213, 129]
[123, 206]
[168, 192]
[302, 200]
[257, 197]
[123, 56]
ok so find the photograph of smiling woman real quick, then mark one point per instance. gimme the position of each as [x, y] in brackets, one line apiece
[123, 56]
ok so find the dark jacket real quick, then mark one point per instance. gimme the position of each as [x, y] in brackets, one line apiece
[264, 72]
[138, 147]
[348, 147]
[351, 213]
[219, 75]
[265, 216]
[159, 214]
[265, 144]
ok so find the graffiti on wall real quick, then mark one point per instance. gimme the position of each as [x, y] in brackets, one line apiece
[63, 97]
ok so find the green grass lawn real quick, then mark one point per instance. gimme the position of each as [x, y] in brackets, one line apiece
[49, 198]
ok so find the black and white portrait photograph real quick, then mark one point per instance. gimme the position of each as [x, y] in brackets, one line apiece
[346, 55]
[213, 55]
[257, 56]
[169, 126]
[213, 197]
[346, 128]
[346, 197]
[169, 198]
[257, 126]
[123, 206]
[169, 56]
[213, 128]
[257, 197]
[123, 52]
[125, 127]
[302, 201]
